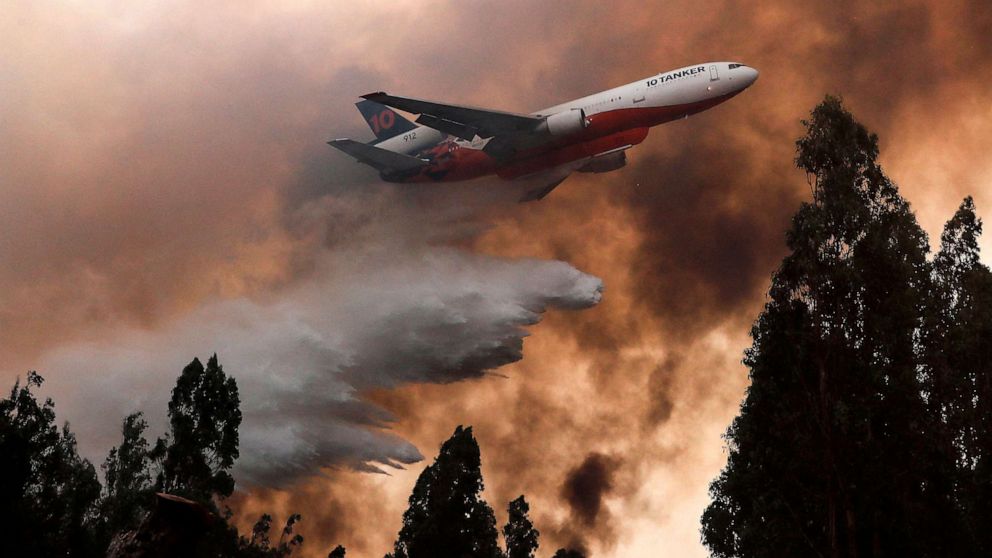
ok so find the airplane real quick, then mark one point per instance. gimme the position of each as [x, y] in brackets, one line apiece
[591, 134]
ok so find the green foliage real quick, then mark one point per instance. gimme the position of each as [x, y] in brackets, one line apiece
[447, 516]
[837, 450]
[48, 492]
[519, 533]
[204, 416]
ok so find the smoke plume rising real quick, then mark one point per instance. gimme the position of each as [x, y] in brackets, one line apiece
[584, 489]
[167, 193]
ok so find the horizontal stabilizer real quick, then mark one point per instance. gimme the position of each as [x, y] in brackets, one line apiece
[376, 157]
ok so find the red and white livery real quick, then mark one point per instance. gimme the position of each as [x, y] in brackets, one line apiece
[591, 134]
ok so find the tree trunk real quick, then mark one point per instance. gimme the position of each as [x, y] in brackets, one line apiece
[833, 480]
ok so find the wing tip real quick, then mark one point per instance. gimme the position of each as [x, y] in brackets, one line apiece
[374, 95]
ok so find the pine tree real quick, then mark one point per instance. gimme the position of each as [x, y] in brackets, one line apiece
[519, 533]
[831, 453]
[447, 516]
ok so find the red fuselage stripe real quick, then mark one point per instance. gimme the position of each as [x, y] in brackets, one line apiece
[606, 131]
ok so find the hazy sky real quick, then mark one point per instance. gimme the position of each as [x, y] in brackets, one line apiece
[166, 192]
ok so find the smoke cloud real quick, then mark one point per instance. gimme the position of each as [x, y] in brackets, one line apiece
[167, 193]
[380, 307]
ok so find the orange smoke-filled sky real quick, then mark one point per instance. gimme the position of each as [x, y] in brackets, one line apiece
[163, 174]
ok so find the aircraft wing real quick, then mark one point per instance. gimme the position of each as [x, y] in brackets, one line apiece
[461, 121]
[539, 192]
[538, 185]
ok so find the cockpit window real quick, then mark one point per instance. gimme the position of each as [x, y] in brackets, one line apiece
[732, 66]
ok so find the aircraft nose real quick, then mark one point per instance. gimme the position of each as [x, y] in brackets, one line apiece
[750, 75]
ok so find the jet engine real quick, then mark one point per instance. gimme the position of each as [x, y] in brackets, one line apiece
[606, 163]
[565, 123]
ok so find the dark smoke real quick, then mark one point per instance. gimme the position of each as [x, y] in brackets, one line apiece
[707, 244]
[193, 171]
[661, 383]
[584, 490]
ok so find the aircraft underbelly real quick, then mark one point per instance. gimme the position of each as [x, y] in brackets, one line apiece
[572, 152]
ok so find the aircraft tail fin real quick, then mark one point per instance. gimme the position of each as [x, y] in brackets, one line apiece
[380, 159]
[384, 121]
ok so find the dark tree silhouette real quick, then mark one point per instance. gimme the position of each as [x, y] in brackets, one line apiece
[338, 552]
[260, 531]
[49, 495]
[568, 553]
[204, 416]
[447, 516]
[833, 452]
[48, 492]
[127, 479]
[519, 533]
[259, 544]
[959, 370]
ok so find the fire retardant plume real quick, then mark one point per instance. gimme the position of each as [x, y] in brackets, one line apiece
[379, 308]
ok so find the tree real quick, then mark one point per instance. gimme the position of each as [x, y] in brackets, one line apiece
[259, 545]
[49, 495]
[204, 416]
[338, 552]
[260, 532]
[568, 553]
[128, 479]
[447, 516]
[831, 453]
[48, 492]
[519, 533]
[959, 369]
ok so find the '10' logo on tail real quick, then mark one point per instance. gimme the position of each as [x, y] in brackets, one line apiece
[382, 121]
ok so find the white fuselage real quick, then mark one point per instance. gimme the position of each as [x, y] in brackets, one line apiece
[681, 87]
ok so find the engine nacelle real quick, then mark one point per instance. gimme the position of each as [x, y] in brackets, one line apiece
[565, 123]
[606, 163]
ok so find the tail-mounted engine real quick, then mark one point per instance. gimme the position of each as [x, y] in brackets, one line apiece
[564, 123]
